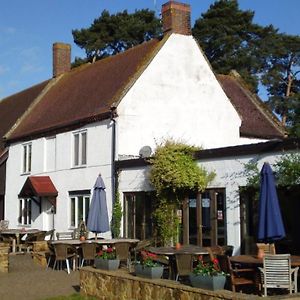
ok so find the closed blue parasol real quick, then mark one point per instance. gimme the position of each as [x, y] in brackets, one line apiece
[98, 215]
[270, 225]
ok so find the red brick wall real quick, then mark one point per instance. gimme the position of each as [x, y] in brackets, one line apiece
[61, 58]
[176, 17]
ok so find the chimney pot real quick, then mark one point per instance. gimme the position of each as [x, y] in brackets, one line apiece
[61, 58]
[176, 17]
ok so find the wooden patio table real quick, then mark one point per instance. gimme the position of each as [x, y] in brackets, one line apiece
[16, 234]
[254, 261]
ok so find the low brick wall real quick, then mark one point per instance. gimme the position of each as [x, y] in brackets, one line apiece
[4, 261]
[120, 285]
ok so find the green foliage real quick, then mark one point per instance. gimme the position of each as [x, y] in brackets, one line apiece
[211, 268]
[167, 221]
[108, 253]
[113, 33]
[174, 171]
[288, 170]
[252, 173]
[116, 217]
[231, 40]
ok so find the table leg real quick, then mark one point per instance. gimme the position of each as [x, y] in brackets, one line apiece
[13, 245]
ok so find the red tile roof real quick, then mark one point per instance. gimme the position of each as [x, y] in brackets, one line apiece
[13, 107]
[86, 93]
[257, 120]
[41, 186]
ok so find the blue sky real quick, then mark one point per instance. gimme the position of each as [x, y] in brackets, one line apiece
[29, 28]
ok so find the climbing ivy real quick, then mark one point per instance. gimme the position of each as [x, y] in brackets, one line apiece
[116, 216]
[174, 174]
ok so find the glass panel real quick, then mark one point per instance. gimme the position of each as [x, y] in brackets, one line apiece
[193, 219]
[73, 212]
[24, 158]
[25, 211]
[76, 150]
[206, 225]
[29, 211]
[130, 216]
[83, 148]
[29, 158]
[20, 211]
[80, 210]
[87, 205]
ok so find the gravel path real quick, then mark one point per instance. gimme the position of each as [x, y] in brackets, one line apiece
[27, 280]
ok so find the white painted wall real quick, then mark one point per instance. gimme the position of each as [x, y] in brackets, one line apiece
[64, 177]
[177, 97]
[229, 175]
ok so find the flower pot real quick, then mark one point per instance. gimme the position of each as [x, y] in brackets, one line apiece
[208, 282]
[149, 272]
[107, 264]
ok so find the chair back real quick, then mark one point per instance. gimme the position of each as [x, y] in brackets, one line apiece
[68, 235]
[224, 263]
[277, 271]
[266, 248]
[123, 251]
[88, 251]
[61, 251]
[228, 250]
[50, 234]
[184, 264]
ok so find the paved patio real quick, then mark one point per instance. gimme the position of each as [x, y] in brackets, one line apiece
[27, 280]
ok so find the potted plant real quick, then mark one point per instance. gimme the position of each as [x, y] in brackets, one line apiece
[106, 259]
[147, 267]
[208, 275]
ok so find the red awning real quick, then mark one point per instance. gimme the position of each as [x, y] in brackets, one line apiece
[40, 186]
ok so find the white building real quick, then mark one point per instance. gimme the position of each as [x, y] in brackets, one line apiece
[88, 119]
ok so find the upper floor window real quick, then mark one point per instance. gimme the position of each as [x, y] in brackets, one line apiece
[27, 152]
[80, 139]
[25, 212]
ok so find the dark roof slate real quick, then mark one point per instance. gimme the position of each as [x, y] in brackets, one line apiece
[257, 120]
[86, 93]
[13, 107]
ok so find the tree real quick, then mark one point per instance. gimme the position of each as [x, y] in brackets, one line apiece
[231, 40]
[111, 34]
[282, 80]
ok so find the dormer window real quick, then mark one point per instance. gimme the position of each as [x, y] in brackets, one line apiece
[26, 166]
[80, 140]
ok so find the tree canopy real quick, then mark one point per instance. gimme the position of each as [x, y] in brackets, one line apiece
[113, 33]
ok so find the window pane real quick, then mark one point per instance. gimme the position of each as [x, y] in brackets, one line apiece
[80, 209]
[24, 158]
[73, 212]
[83, 148]
[76, 150]
[29, 211]
[29, 158]
[87, 205]
[20, 211]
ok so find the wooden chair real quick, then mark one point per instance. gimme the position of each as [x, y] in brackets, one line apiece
[238, 277]
[266, 248]
[68, 235]
[4, 224]
[27, 244]
[277, 273]
[184, 264]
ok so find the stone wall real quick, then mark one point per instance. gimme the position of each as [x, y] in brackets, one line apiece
[4, 263]
[120, 285]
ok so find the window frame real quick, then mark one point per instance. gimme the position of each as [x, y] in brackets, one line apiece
[79, 149]
[25, 211]
[75, 216]
[26, 158]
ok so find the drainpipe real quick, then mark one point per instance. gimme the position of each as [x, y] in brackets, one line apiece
[113, 151]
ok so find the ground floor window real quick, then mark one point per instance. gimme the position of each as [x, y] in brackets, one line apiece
[138, 220]
[79, 208]
[24, 212]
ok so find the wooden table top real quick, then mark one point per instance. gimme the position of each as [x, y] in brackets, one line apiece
[14, 231]
[98, 241]
[185, 249]
[255, 261]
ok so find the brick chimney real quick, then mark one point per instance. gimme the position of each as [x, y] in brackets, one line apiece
[176, 17]
[61, 58]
